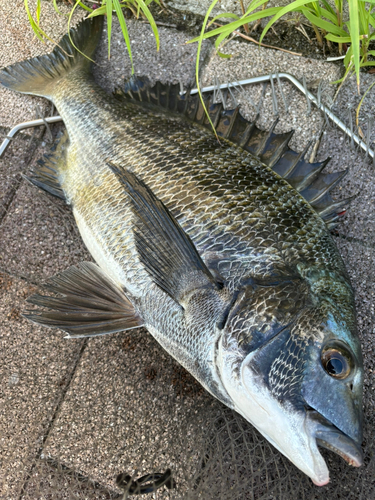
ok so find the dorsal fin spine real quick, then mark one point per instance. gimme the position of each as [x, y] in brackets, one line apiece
[214, 111]
[312, 176]
[262, 145]
[339, 176]
[247, 133]
[232, 122]
[294, 165]
[279, 151]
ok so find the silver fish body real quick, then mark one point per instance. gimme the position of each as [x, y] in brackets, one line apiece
[261, 310]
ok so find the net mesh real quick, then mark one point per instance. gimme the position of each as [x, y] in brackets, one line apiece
[76, 414]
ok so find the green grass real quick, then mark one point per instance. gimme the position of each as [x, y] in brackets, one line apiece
[353, 35]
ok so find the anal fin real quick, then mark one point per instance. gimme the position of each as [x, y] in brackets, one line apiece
[89, 303]
[45, 174]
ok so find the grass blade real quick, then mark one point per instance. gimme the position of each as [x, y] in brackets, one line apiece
[200, 41]
[109, 8]
[255, 4]
[38, 12]
[217, 44]
[371, 21]
[225, 16]
[361, 101]
[328, 14]
[354, 35]
[338, 39]
[84, 7]
[348, 57]
[101, 11]
[124, 29]
[39, 33]
[34, 26]
[237, 24]
[70, 38]
[325, 25]
[56, 8]
[329, 8]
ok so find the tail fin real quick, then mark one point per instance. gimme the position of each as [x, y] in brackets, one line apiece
[38, 76]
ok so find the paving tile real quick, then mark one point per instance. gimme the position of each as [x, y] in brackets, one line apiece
[35, 367]
[130, 408]
[38, 236]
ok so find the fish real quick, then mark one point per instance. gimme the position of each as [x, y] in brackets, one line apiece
[221, 250]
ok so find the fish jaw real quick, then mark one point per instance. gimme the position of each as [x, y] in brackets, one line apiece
[330, 437]
[296, 433]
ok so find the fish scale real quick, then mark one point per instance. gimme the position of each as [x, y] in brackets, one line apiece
[164, 172]
[223, 260]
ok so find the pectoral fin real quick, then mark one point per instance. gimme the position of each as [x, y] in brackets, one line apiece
[165, 250]
[90, 303]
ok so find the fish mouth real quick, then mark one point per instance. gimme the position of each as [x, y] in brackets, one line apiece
[330, 437]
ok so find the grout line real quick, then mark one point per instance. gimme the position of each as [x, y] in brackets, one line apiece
[9, 196]
[87, 482]
[352, 239]
[20, 277]
[6, 201]
[52, 420]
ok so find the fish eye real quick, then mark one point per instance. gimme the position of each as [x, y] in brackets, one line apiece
[337, 361]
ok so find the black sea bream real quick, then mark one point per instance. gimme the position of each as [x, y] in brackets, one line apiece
[224, 256]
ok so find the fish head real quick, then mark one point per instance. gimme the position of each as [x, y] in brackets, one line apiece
[295, 371]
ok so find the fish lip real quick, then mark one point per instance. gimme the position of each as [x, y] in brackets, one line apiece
[330, 437]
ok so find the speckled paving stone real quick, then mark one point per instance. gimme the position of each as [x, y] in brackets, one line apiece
[35, 367]
[130, 408]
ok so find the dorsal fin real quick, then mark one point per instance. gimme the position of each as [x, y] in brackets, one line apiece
[272, 149]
